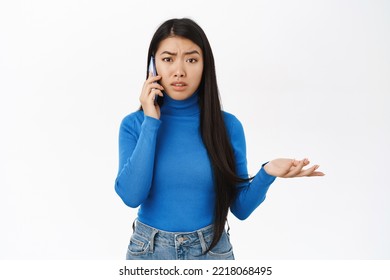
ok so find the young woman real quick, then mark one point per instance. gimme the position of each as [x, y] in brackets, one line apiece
[182, 160]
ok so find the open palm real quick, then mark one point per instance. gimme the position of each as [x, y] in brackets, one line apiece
[290, 168]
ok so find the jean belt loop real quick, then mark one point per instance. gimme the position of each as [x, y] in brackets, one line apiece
[135, 224]
[202, 241]
[151, 241]
[228, 229]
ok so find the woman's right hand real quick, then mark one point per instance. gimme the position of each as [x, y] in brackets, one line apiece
[149, 90]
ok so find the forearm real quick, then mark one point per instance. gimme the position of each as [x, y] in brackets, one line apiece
[251, 195]
[136, 173]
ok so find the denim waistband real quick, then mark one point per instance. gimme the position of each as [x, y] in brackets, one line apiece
[172, 238]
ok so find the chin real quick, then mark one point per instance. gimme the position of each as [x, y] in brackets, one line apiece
[180, 96]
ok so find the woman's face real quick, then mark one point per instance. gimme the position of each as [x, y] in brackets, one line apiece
[179, 62]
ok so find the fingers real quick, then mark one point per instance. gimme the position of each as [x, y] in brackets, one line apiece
[316, 173]
[149, 96]
[305, 162]
[152, 85]
[150, 89]
[308, 171]
[152, 79]
[154, 91]
[296, 168]
[289, 166]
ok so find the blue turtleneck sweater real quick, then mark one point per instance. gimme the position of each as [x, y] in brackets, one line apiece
[164, 168]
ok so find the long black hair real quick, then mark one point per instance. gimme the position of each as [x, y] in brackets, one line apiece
[212, 126]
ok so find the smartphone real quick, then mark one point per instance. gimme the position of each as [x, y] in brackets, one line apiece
[152, 69]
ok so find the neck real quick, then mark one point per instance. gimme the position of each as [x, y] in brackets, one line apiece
[187, 107]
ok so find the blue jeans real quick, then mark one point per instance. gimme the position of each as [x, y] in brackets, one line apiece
[148, 243]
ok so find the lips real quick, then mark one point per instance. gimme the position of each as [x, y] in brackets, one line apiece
[178, 86]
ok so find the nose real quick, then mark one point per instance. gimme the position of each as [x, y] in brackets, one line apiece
[179, 71]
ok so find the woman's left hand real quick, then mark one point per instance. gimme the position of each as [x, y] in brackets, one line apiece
[290, 168]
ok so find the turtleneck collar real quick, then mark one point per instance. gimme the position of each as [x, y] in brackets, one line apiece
[187, 107]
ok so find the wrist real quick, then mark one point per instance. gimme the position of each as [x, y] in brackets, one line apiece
[151, 114]
[267, 168]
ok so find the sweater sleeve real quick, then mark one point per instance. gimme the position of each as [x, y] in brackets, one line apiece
[250, 194]
[137, 145]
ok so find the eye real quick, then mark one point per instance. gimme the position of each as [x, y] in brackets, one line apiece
[192, 60]
[167, 59]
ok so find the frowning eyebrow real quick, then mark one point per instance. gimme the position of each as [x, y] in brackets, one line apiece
[186, 53]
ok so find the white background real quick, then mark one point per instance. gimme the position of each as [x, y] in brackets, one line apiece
[306, 79]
